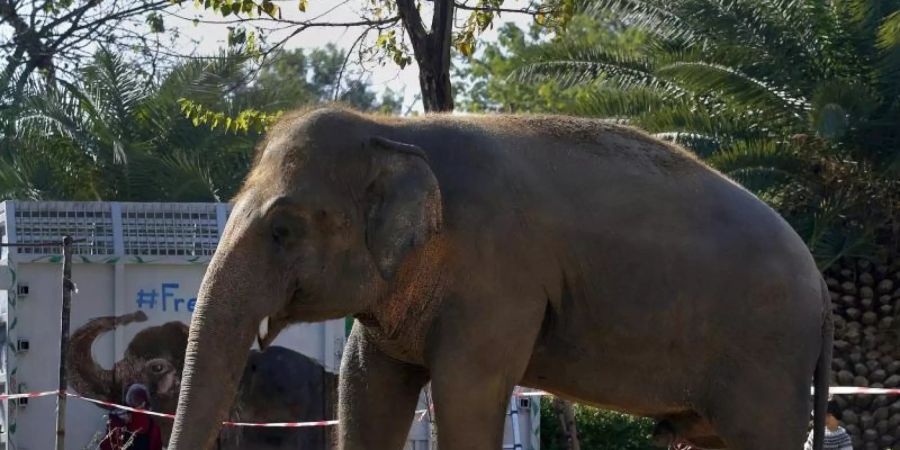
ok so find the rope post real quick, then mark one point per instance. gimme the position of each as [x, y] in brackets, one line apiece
[67, 287]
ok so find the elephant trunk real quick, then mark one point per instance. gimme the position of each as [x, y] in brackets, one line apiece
[86, 376]
[222, 330]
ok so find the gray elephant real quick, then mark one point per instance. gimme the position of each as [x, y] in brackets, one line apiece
[481, 252]
[278, 384]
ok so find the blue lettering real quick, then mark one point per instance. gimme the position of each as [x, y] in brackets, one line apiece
[165, 298]
[146, 298]
[168, 292]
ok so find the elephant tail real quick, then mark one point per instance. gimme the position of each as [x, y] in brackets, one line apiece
[823, 372]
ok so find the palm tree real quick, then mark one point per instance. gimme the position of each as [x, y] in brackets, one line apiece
[798, 100]
[117, 136]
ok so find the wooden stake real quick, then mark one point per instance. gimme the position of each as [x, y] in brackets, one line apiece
[67, 287]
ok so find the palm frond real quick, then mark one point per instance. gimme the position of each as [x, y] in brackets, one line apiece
[749, 93]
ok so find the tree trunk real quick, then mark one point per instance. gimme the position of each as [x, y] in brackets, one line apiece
[432, 51]
[568, 435]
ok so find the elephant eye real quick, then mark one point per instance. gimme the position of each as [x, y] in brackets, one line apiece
[287, 228]
[158, 366]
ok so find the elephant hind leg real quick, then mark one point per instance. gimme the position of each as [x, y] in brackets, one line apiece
[753, 412]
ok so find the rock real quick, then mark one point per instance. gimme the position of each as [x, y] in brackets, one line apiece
[870, 339]
[866, 303]
[860, 369]
[855, 357]
[853, 313]
[885, 300]
[849, 417]
[895, 407]
[863, 402]
[886, 310]
[893, 367]
[845, 378]
[838, 364]
[892, 381]
[864, 278]
[886, 323]
[873, 365]
[894, 422]
[882, 270]
[885, 440]
[848, 287]
[841, 401]
[832, 283]
[863, 264]
[885, 286]
[848, 300]
[880, 414]
[841, 345]
[846, 273]
[860, 381]
[882, 427]
[866, 292]
[839, 323]
[880, 401]
[866, 421]
[870, 436]
[877, 376]
[857, 440]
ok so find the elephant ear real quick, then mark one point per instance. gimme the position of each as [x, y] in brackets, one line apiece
[403, 203]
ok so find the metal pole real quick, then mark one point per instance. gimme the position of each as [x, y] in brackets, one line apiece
[64, 342]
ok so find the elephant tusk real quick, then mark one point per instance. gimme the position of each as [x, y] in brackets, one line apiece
[263, 332]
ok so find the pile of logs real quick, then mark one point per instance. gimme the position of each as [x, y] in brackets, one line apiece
[866, 301]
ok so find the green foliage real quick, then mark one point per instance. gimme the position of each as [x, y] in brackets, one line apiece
[796, 100]
[598, 429]
[246, 121]
[116, 134]
[246, 7]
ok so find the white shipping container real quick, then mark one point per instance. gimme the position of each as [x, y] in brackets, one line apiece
[147, 257]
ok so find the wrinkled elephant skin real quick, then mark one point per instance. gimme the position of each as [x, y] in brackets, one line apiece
[481, 252]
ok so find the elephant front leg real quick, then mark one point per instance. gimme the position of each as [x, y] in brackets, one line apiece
[470, 409]
[377, 397]
[472, 379]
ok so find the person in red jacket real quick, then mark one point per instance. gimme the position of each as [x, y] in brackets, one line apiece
[132, 430]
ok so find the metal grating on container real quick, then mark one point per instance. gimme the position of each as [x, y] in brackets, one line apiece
[186, 229]
[38, 222]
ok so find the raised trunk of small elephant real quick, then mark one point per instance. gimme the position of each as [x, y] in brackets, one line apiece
[86, 376]
[221, 333]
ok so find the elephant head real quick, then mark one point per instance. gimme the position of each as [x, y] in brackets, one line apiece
[154, 358]
[336, 212]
